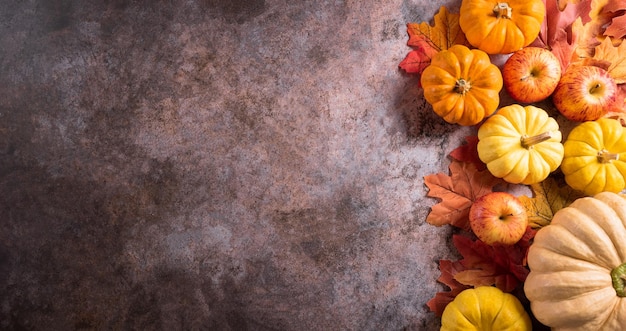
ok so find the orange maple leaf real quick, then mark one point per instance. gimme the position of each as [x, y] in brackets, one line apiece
[617, 28]
[427, 40]
[457, 192]
[615, 56]
[591, 30]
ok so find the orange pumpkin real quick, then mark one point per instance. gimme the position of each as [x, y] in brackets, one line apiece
[501, 27]
[462, 85]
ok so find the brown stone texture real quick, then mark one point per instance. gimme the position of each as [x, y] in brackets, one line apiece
[216, 165]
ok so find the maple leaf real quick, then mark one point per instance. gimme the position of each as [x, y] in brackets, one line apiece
[417, 60]
[591, 32]
[562, 4]
[445, 33]
[549, 196]
[559, 33]
[617, 27]
[615, 56]
[486, 265]
[441, 299]
[468, 152]
[457, 193]
[427, 40]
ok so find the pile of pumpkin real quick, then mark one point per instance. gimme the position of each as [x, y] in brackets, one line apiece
[577, 263]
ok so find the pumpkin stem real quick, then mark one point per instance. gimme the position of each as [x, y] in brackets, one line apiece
[605, 156]
[618, 275]
[502, 10]
[528, 142]
[462, 86]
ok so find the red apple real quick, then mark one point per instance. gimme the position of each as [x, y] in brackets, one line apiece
[498, 218]
[585, 93]
[531, 74]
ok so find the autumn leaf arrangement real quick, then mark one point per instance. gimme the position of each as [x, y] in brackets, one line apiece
[587, 33]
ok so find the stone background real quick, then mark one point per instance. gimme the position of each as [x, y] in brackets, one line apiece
[216, 165]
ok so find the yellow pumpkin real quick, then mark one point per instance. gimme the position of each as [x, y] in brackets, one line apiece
[485, 308]
[462, 85]
[501, 27]
[578, 266]
[520, 144]
[595, 157]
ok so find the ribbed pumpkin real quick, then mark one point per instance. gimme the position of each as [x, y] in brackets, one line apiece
[462, 85]
[485, 308]
[521, 145]
[595, 157]
[501, 27]
[577, 266]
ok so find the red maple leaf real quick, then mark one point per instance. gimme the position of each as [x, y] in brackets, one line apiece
[418, 59]
[557, 33]
[502, 266]
[441, 299]
[499, 265]
[468, 152]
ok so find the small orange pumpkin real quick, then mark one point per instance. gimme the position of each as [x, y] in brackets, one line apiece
[462, 85]
[501, 27]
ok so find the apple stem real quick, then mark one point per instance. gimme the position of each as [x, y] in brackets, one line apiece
[594, 88]
[462, 86]
[502, 10]
[528, 142]
[605, 156]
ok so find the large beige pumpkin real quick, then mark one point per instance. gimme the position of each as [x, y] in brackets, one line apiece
[578, 266]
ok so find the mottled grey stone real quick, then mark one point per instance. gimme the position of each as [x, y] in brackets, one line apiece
[216, 165]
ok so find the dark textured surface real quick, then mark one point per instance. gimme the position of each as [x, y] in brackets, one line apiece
[216, 165]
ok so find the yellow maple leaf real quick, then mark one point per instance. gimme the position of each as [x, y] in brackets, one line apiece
[590, 30]
[550, 196]
[616, 56]
[442, 35]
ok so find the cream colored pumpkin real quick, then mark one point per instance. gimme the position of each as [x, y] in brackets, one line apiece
[578, 266]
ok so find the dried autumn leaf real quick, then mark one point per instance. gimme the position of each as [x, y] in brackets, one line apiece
[427, 40]
[550, 196]
[417, 60]
[468, 152]
[457, 192]
[591, 32]
[441, 299]
[485, 265]
[616, 56]
[563, 3]
[617, 28]
[557, 30]
[445, 33]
